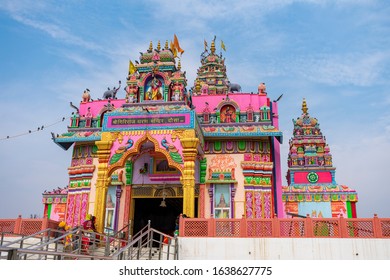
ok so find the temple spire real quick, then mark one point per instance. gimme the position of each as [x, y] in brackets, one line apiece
[304, 106]
[179, 65]
[166, 45]
[212, 47]
[158, 46]
[151, 46]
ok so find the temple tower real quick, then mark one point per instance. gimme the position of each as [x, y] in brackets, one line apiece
[311, 177]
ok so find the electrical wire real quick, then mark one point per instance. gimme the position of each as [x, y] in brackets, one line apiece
[40, 128]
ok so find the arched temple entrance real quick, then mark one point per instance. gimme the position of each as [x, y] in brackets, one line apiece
[155, 168]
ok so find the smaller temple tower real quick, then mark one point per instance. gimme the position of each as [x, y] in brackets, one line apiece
[312, 189]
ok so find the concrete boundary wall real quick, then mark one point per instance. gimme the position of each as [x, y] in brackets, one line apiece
[283, 249]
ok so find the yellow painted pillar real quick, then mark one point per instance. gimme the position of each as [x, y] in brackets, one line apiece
[102, 182]
[190, 152]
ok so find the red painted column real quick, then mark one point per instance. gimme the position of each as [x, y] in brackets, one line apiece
[18, 224]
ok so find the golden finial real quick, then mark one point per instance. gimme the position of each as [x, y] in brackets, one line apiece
[212, 47]
[304, 106]
[151, 46]
[197, 85]
[166, 45]
[179, 65]
[158, 45]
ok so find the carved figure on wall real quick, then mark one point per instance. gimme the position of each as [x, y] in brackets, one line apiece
[228, 115]
[88, 118]
[233, 87]
[131, 93]
[262, 89]
[86, 95]
[205, 88]
[75, 119]
[177, 91]
[111, 93]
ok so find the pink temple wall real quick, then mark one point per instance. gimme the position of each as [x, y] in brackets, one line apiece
[96, 106]
[242, 99]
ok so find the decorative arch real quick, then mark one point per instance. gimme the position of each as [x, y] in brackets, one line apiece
[107, 108]
[167, 190]
[135, 150]
[166, 79]
[228, 102]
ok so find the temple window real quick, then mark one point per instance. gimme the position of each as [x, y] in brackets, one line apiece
[264, 113]
[222, 195]
[206, 117]
[249, 115]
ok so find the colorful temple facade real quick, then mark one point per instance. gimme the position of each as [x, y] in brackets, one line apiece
[160, 150]
[312, 189]
[211, 151]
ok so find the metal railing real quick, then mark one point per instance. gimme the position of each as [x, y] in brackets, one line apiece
[149, 244]
[78, 243]
[300, 227]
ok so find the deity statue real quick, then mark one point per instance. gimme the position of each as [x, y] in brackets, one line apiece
[131, 93]
[222, 202]
[177, 92]
[155, 90]
[228, 115]
[88, 118]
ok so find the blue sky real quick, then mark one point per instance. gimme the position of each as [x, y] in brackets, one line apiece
[336, 54]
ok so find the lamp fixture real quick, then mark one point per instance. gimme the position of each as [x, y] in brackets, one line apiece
[163, 203]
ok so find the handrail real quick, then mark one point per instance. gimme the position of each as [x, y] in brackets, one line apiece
[140, 242]
[35, 235]
[14, 252]
[9, 233]
[141, 246]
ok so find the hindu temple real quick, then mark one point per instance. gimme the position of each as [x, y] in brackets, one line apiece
[312, 189]
[154, 149]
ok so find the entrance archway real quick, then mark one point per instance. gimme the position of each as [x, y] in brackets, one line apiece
[161, 218]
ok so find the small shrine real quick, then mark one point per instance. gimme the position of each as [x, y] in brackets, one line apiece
[54, 202]
[312, 189]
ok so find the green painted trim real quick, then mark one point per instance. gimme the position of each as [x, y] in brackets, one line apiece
[129, 172]
[49, 206]
[242, 145]
[349, 209]
[217, 145]
[202, 171]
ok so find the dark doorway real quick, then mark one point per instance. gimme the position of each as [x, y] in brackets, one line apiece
[161, 218]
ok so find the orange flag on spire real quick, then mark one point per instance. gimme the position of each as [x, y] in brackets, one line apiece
[176, 43]
[173, 49]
